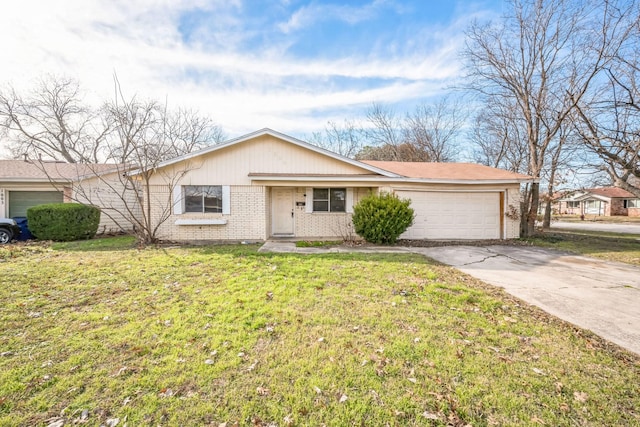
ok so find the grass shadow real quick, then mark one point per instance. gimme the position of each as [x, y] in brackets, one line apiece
[117, 243]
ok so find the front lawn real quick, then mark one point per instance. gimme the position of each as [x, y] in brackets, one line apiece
[106, 334]
[609, 246]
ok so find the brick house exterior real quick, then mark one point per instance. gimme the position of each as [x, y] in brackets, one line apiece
[267, 184]
[604, 201]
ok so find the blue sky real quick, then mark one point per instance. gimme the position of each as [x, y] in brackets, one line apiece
[291, 65]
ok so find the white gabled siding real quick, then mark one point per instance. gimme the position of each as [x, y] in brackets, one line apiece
[265, 154]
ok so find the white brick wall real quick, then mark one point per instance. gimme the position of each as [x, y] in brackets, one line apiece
[325, 224]
[247, 220]
[250, 217]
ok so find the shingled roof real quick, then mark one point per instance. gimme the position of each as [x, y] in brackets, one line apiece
[611, 192]
[452, 171]
[28, 171]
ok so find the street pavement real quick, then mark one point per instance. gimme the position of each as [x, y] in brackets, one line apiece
[629, 228]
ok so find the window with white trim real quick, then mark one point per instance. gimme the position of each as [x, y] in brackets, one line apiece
[329, 199]
[632, 203]
[571, 204]
[203, 198]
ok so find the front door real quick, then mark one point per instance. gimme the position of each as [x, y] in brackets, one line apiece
[282, 211]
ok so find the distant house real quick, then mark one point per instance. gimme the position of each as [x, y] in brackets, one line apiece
[604, 201]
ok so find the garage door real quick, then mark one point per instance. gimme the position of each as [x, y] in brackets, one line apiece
[20, 201]
[453, 215]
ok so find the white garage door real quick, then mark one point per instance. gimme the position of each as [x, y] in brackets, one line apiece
[453, 215]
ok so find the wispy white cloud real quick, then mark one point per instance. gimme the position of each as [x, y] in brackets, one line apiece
[314, 13]
[227, 68]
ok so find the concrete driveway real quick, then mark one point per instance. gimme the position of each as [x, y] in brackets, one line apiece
[601, 296]
[630, 228]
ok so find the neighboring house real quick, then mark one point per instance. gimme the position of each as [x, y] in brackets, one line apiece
[605, 201]
[267, 184]
[24, 184]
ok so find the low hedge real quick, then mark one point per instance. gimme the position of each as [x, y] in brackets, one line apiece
[63, 222]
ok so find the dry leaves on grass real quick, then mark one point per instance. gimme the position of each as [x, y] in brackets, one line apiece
[580, 396]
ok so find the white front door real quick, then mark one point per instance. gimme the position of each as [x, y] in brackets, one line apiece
[282, 211]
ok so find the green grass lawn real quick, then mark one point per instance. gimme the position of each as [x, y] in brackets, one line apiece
[597, 218]
[609, 246]
[97, 331]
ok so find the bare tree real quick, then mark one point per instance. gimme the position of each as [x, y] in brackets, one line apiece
[543, 57]
[52, 122]
[344, 139]
[121, 175]
[424, 135]
[403, 152]
[144, 135]
[186, 131]
[609, 124]
[497, 138]
[432, 129]
[384, 126]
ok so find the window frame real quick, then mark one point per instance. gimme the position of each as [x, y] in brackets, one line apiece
[207, 192]
[179, 201]
[631, 203]
[573, 204]
[328, 200]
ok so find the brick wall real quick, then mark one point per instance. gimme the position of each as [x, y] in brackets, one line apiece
[617, 207]
[247, 219]
[325, 224]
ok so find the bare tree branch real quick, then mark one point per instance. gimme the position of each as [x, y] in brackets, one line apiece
[543, 58]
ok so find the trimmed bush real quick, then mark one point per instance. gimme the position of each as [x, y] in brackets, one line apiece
[63, 222]
[382, 218]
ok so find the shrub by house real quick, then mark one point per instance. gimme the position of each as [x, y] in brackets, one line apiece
[63, 221]
[382, 218]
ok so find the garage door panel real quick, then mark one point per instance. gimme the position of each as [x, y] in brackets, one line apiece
[442, 215]
[20, 201]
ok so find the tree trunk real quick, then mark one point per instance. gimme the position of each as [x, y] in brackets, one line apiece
[546, 222]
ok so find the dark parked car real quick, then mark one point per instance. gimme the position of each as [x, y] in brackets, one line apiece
[9, 230]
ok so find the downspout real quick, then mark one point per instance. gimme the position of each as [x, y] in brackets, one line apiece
[504, 211]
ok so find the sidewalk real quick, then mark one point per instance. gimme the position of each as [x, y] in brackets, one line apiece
[290, 247]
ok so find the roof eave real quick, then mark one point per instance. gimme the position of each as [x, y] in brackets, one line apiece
[357, 178]
[38, 180]
[593, 196]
